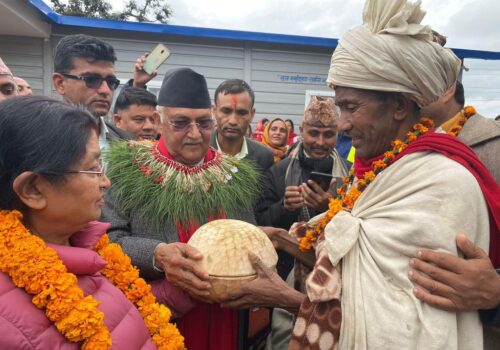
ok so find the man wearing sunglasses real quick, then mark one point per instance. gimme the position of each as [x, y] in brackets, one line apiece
[163, 191]
[84, 74]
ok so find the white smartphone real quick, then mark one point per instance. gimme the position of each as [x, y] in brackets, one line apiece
[155, 58]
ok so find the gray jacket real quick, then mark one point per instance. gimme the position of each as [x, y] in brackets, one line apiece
[139, 238]
[483, 136]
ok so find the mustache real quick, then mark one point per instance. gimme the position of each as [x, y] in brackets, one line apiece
[231, 127]
[320, 148]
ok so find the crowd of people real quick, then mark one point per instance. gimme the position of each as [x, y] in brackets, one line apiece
[398, 250]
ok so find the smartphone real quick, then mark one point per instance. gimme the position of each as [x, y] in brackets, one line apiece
[155, 58]
[322, 179]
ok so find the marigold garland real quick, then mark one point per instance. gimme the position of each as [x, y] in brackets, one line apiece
[463, 117]
[347, 198]
[38, 270]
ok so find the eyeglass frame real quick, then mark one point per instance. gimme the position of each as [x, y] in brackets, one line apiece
[116, 81]
[188, 126]
[99, 173]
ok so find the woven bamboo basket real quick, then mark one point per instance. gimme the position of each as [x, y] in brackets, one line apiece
[225, 245]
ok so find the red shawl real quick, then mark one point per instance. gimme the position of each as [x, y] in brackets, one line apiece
[207, 326]
[453, 148]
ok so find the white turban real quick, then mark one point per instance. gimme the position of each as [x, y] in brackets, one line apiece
[392, 51]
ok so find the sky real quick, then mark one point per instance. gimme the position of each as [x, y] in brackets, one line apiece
[468, 24]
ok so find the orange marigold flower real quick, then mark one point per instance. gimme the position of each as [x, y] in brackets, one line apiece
[397, 144]
[427, 122]
[469, 111]
[379, 165]
[389, 155]
[420, 128]
[410, 136]
[370, 175]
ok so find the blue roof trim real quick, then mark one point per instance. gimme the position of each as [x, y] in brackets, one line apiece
[170, 29]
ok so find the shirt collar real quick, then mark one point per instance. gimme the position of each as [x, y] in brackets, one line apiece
[243, 151]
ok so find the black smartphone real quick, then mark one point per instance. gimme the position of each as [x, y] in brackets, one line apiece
[322, 179]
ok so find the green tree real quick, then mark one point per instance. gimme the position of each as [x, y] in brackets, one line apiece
[141, 11]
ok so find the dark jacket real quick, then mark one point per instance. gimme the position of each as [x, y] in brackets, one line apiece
[259, 154]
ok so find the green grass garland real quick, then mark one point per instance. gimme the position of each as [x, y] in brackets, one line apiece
[179, 197]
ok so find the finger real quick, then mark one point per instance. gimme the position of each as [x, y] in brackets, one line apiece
[470, 250]
[193, 277]
[435, 272]
[198, 292]
[435, 300]
[315, 187]
[443, 260]
[295, 200]
[434, 287]
[261, 269]
[190, 252]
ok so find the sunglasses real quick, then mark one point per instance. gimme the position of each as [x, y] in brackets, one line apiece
[184, 125]
[94, 81]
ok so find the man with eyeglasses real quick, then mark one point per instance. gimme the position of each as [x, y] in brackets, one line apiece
[84, 74]
[163, 191]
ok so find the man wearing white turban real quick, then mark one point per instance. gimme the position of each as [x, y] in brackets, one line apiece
[402, 196]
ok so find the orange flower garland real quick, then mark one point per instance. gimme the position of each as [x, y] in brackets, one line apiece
[347, 199]
[37, 268]
[463, 116]
[125, 276]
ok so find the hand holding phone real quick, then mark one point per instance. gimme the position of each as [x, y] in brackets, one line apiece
[323, 180]
[156, 57]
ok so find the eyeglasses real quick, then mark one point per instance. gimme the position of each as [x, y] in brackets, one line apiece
[94, 81]
[99, 173]
[184, 125]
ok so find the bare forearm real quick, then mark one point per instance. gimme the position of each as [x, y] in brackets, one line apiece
[291, 300]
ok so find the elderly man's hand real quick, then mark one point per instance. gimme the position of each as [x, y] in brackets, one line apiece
[178, 260]
[315, 197]
[293, 198]
[268, 289]
[456, 284]
[141, 78]
[273, 233]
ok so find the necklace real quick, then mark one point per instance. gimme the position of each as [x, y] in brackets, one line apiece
[38, 270]
[347, 198]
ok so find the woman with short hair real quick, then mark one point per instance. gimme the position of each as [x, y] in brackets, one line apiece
[62, 285]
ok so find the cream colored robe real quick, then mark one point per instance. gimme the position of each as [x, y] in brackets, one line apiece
[422, 201]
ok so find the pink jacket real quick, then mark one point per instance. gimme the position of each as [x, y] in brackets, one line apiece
[23, 326]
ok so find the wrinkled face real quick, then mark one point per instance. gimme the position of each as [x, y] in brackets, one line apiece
[80, 198]
[142, 121]
[318, 142]
[23, 87]
[367, 120]
[7, 87]
[277, 133]
[187, 143]
[97, 100]
[233, 113]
